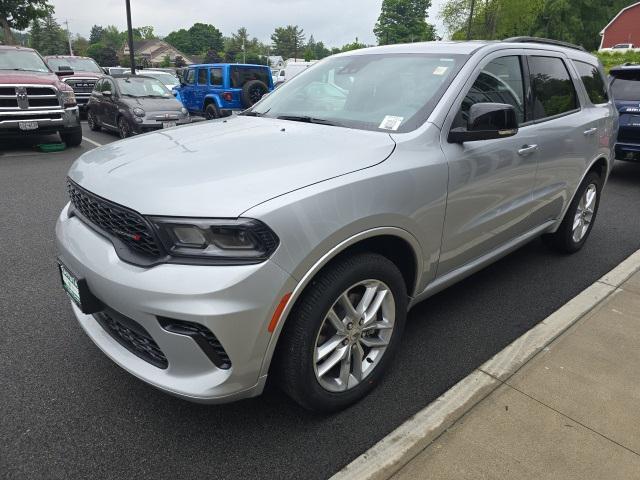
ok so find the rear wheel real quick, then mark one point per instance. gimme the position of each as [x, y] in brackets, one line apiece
[252, 92]
[124, 129]
[92, 121]
[580, 217]
[343, 332]
[211, 111]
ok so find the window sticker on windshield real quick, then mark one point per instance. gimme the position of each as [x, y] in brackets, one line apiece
[440, 70]
[391, 123]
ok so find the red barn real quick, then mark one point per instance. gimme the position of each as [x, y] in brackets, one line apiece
[624, 28]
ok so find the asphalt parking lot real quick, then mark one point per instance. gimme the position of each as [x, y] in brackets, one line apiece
[66, 411]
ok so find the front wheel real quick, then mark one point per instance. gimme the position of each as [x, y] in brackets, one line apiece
[124, 129]
[72, 137]
[343, 332]
[92, 121]
[580, 217]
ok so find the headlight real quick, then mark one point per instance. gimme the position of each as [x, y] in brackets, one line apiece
[68, 98]
[138, 112]
[184, 111]
[219, 241]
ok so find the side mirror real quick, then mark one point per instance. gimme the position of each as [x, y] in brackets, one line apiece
[107, 93]
[487, 121]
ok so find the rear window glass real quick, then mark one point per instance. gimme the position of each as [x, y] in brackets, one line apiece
[593, 82]
[626, 87]
[553, 90]
[242, 75]
[202, 76]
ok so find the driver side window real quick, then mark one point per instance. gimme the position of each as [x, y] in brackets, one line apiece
[500, 81]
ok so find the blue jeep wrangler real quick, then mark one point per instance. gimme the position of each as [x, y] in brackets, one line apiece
[625, 87]
[214, 90]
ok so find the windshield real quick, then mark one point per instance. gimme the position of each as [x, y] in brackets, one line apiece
[165, 78]
[626, 88]
[26, 60]
[142, 87]
[76, 63]
[370, 92]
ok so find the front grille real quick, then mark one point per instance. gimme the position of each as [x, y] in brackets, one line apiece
[43, 102]
[35, 116]
[132, 336]
[24, 98]
[40, 91]
[127, 226]
[81, 85]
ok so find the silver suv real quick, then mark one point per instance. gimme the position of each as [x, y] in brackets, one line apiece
[287, 243]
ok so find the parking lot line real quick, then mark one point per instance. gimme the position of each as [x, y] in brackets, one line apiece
[391, 453]
[92, 142]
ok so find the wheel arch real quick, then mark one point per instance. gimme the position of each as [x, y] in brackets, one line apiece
[211, 98]
[396, 244]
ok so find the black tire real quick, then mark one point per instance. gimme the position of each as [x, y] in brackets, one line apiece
[92, 121]
[252, 92]
[296, 369]
[124, 128]
[211, 111]
[563, 239]
[72, 137]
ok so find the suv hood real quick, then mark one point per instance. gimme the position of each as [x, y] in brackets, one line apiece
[31, 78]
[224, 167]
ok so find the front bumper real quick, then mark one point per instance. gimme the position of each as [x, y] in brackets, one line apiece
[49, 121]
[234, 302]
[152, 122]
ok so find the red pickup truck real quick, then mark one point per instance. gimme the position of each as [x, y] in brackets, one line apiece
[33, 99]
[83, 74]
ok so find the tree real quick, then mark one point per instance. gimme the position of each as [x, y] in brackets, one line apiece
[353, 46]
[80, 46]
[105, 56]
[200, 38]
[179, 62]
[36, 35]
[403, 21]
[288, 41]
[19, 14]
[144, 33]
[112, 37]
[96, 35]
[166, 62]
[212, 57]
[53, 40]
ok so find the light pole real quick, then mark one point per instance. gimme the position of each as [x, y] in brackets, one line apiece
[130, 32]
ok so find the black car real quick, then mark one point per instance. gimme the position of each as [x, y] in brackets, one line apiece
[132, 104]
[625, 87]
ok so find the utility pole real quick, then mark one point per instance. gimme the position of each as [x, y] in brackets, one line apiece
[66, 22]
[473, 4]
[130, 31]
[244, 53]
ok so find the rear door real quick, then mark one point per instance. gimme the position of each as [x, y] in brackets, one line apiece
[564, 130]
[109, 104]
[490, 181]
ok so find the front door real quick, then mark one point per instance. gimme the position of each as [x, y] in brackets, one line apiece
[109, 106]
[490, 181]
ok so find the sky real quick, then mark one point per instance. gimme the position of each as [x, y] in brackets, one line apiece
[335, 22]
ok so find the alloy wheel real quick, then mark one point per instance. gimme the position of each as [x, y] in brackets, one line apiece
[354, 335]
[584, 213]
[123, 128]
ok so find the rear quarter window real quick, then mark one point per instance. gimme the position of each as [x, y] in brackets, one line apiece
[593, 82]
[553, 90]
[242, 75]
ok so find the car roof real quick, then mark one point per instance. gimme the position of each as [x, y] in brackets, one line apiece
[225, 64]
[66, 56]
[627, 67]
[16, 47]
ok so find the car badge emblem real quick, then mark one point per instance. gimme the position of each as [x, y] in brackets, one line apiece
[23, 99]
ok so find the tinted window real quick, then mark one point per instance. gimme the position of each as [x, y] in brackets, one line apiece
[190, 76]
[242, 75]
[202, 76]
[500, 81]
[552, 87]
[216, 76]
[626, 87]
[593, 82]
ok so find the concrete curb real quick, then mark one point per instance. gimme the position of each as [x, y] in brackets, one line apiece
[395, 450]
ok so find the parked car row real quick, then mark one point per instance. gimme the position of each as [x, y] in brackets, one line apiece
[285, 244]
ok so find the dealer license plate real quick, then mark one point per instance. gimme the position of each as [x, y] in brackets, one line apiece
[168, 124]
[28, 125]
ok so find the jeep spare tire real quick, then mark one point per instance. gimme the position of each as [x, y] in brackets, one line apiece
[252, 92]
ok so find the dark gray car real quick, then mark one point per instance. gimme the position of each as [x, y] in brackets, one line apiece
[133, 104]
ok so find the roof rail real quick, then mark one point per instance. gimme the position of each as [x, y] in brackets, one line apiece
[546, 41]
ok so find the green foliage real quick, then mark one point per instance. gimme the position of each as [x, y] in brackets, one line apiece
[80, 46]
[19, 14]
[353, 46]
[199, 39]
[402, 21]
[179, 62]
[104, 55]
[48, 38]
[288, 41]
[610, 60]
[143, 33]
[166, 62]
[97, 32]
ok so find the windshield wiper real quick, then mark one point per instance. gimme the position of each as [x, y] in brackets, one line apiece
[307, 119]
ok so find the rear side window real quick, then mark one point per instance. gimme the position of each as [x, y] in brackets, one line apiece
[593, 82]
[626, 87]
[500, 81]
[242, 75]
[553, 90]
[216, 76]
[202, 76]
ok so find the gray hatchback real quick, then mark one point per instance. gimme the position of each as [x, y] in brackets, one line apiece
[288, 242]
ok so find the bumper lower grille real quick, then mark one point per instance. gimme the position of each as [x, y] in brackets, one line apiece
[128, 227]
[132, 336]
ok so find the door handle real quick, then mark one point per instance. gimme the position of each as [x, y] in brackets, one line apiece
[591, 131]
[527, 150]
